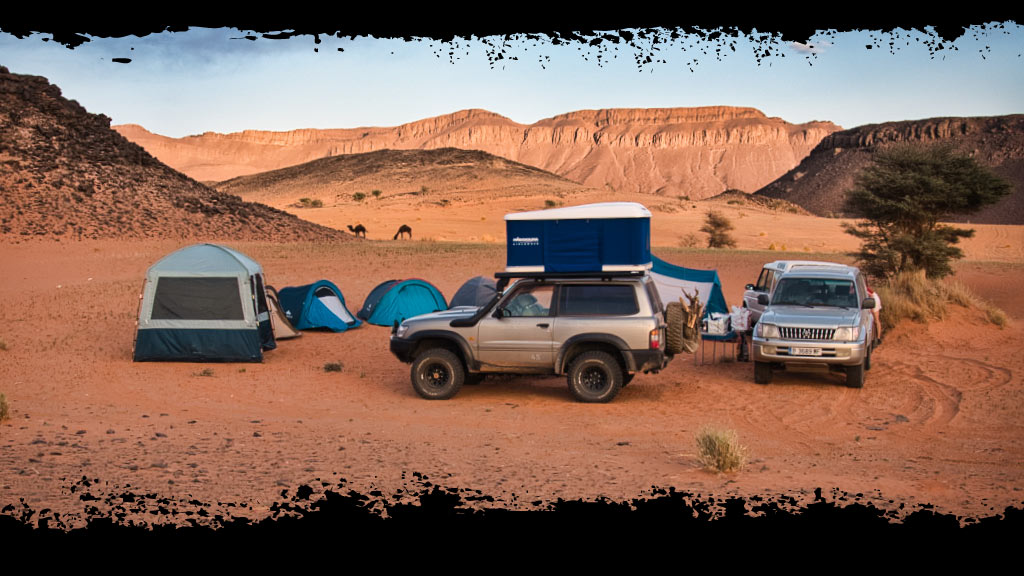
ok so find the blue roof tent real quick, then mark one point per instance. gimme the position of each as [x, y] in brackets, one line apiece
[671, 280]
[204, 303]
[476, 291]
[317, 305]
[604, 237]
[401, 299]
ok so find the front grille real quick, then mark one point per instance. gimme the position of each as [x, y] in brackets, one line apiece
[806, 333]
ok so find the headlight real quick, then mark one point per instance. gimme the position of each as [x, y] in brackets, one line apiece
[847, 333]
[403, 329]
[767, 330]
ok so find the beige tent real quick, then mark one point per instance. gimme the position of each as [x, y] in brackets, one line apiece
[283, 329]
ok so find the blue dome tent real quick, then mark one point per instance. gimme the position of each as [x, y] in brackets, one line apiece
[400, 299]
[317, 305]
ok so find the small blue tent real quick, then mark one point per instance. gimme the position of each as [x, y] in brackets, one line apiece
[400, 299]
[671, 280]
[317, 305]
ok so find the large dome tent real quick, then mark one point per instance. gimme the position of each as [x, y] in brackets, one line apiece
[204, 302]
[397, 300]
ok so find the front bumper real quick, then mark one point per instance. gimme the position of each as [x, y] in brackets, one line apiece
[786, 351]
[403, 349]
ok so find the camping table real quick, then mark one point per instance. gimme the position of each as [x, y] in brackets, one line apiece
[729, 338]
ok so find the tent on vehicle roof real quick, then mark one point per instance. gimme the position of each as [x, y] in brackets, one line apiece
[317, 305]
[671, 280]
[476, 291]
[400, 299]
[204, 303]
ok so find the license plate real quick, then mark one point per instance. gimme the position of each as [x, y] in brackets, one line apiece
[805, 351]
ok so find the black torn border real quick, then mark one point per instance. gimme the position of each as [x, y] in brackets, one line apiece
[438, 513]
[685, 34]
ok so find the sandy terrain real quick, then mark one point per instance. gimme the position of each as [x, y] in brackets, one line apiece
[939, 420]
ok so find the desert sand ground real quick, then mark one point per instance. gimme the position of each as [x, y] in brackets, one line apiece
[940, 419]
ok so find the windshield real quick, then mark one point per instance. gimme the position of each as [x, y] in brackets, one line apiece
[815, 292]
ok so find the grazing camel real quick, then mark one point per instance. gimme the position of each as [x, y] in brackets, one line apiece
[403, 230]
[359, 229]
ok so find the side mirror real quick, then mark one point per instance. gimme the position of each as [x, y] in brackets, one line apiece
[748, 287]
[762, 299]
[868, 304]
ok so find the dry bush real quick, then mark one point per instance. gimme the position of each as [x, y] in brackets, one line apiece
[334, 367]
[913, 296]
[720, 449]
[5, 410]
[689, 240]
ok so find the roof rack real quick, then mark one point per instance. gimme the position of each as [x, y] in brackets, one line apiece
[561, 275]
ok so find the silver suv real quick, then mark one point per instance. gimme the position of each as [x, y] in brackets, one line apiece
[599, 331]
[817, 315]
[768, 279]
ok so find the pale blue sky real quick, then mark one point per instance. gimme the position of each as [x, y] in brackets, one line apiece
[203, 80]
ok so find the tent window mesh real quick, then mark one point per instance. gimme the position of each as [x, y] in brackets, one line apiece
[197, 299]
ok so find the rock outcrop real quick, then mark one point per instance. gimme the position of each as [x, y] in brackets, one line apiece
[820, 182]
[696, 152]
[65, 173]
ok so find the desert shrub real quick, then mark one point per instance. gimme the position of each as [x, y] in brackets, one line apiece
[310, 203]
[5, 409]
[424, 189]
[720, 449]
[3, 345]
[913, 296]
[689, 240]
[550, 203]
[376, 193]
[334, 367]
[204, 372]
[717, 227]
[359, 196]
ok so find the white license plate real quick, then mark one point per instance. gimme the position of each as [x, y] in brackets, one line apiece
[805, 351]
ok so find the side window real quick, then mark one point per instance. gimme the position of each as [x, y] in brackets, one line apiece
[533, 300]
[597, 300]
[764, 282]
[654, 297]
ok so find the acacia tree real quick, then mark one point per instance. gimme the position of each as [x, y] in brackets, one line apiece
[904, 195]
[717, 227]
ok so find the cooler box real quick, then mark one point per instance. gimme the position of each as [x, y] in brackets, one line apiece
[606, 237]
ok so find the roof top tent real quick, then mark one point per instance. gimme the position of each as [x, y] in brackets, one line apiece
[397, 300]
[605, 237]
[204, 303]
[317, 305]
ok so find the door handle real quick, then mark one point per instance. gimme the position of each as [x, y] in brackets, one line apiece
[543, 325]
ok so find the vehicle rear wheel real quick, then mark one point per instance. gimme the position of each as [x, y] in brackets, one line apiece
[437, 374]
[855, 376]
[595, 377]
[762, 372]
[674, 328]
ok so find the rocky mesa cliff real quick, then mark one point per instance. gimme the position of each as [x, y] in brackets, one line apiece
[65, 173]
[820, 182]
[696, 152]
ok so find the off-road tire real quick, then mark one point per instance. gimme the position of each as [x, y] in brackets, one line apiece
[867, 359]
[762, 372]
[855, 376]
[674, 330]
[437, 374]
[595, 376]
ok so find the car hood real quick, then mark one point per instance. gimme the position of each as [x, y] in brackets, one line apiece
[445, 315]
[819, 316]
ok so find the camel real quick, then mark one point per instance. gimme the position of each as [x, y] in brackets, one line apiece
[359, 229]
[403, 230]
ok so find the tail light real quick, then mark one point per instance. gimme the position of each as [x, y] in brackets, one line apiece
[655, 342]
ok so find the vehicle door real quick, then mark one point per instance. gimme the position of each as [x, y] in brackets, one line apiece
[518, 333]
[765, 284]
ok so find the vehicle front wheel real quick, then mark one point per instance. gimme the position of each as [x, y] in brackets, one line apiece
[437, 374]
[762, 372]
[595, 377]
[855, 376]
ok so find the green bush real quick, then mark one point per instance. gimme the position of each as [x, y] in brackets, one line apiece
[359, 196]
[5, 410]
[334, 367]
[376, 193]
